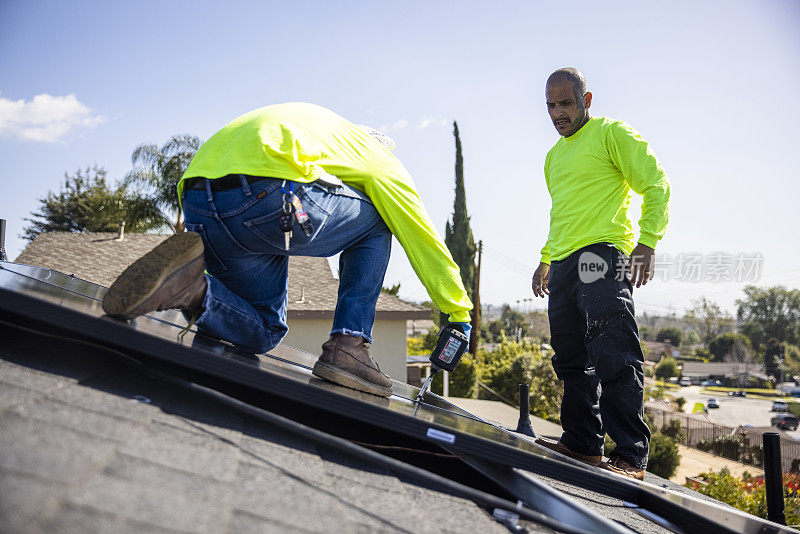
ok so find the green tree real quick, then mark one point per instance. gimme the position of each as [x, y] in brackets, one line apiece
[157, 171]
[666, 369]
[514, 363]
[723, 345]
[691, 338]
[86, 203]
[664, 456]
[792, 359]
[391, 290]
[513, 321]
[708, 319]
[458, 233]
[772, 312]
[645, 333]
[461, 380]
[773, 355]
[671, 334]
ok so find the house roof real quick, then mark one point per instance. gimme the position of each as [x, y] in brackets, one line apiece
[720, 369]
[86, 449]
[100, 257]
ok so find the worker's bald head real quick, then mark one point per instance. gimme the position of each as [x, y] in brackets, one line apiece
[568, 101]
[572, 76]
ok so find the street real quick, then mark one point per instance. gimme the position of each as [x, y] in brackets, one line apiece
[732, 411]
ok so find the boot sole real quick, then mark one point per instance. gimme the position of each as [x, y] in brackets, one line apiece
[349, 380]
[128, 296]
[543, 443]
[604, 467]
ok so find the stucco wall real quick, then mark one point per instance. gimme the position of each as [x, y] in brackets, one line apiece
[388, 348]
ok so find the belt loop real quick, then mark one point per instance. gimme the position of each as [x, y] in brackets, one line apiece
[245, 185]
[209, 194]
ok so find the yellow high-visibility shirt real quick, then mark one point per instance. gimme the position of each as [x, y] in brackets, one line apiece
[303, 142]
[590, 175]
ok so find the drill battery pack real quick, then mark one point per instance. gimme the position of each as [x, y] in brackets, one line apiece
[451, 346]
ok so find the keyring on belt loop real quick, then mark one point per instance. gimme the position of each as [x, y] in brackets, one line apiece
[287, 195]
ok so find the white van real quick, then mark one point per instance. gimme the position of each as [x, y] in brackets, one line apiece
[685, 381]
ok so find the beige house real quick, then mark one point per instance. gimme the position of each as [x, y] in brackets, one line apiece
[101, 257]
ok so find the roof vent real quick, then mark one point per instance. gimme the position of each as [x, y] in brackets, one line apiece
[302, 296]
[121, 231]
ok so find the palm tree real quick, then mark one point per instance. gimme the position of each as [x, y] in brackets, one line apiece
[157, 171]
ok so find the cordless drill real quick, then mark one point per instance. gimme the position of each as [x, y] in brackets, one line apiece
[452, 344]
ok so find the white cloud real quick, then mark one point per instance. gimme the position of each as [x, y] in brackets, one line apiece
[427, 122]
[45, 118]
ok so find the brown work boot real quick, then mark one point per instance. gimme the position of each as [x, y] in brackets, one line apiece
[169, 276]
[560, 448]
[622, 467]
[346, 361]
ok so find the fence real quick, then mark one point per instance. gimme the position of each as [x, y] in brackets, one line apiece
[739, 444]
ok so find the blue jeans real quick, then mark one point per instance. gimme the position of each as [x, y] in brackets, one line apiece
[245, 302]
[597, 354]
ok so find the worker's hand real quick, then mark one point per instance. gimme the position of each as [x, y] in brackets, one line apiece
[466, 328]
[541, 276]
[641, 265]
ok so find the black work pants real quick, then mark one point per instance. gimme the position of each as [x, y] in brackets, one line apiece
[597, 353]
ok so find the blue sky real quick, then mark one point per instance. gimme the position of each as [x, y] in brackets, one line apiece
[711, 85]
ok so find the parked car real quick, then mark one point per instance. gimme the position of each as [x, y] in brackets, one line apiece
[784, 421]
[779, 406]
[712, 403]
[707, 383]
[740, 393]
[685, 381]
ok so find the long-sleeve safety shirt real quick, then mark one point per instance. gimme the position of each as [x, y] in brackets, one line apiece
[590, 175]
[303, 142]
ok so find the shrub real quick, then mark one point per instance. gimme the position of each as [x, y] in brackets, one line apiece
[664, 456]
[462, 379]
[430, 339]
[517, 362]
[753, 455]
[666, 369]
[748, 494]
[674, 431]
[657, 392]
[680, 402]
[415, 346]
[725, 446]
[671, 334]
[795, 468]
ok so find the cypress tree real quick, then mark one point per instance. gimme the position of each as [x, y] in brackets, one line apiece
[458, 234]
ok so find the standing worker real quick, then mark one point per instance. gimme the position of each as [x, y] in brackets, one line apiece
[589, 266]
[284, 180]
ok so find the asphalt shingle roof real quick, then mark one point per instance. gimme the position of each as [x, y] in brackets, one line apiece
[99, 257]
[80, 453]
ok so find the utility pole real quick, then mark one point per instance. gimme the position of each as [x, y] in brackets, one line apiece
[3, 240]
[476, 295]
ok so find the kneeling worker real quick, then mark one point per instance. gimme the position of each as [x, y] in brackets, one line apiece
[284, 180]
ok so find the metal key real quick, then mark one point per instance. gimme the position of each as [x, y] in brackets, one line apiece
[286, 222]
